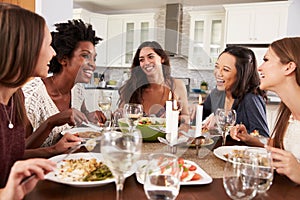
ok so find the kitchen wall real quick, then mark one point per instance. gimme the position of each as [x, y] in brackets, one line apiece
[179, 64]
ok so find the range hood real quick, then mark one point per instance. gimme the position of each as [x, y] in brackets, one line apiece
[173, 28]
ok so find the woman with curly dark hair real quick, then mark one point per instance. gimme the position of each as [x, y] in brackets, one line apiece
[150, 82]
[57, 102]
[236, 72]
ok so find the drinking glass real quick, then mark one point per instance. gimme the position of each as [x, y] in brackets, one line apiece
[239, 177]
[225, 120]
[133, 112]
[104, 103]
[264, 167]
[120, 152]
[162, 179]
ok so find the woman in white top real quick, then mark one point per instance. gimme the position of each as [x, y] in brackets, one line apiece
[56, 103]
[280, 73]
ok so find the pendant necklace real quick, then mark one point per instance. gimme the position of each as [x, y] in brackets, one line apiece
[10, 124]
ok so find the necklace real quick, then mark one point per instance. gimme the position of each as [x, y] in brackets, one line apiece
[10, 124]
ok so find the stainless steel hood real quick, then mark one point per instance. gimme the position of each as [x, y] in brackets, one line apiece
[173, 28]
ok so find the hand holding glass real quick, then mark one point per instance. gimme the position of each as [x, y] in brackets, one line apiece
[225, 120]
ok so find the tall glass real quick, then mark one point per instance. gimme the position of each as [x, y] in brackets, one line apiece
[133, 112]
[104, 103]
[264, 167]
[120, 152]
[225, 120]
[239, 177]
[162, 177]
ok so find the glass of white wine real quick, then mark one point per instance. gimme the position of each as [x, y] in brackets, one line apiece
[104, 103]
[162, 176]
[133, 112]
[225, 120]
[120, 152]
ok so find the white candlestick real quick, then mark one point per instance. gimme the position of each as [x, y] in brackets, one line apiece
[174, 127]
[199, 114]
[168, 116]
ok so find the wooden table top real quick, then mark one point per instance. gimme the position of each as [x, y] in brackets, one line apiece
[282, 187]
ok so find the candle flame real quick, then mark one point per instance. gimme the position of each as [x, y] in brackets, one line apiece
[200, 99]
[170, 95]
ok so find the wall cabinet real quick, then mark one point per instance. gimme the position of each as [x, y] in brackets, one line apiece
[206, 38]
[99, 23]
[126, 33]
[256, 23]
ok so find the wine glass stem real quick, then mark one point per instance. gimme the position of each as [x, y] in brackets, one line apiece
[119, 186]
[223, 138]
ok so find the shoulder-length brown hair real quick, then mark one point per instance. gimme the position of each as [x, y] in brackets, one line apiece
[247, 78]
[287, 50]
[132, 90]
[21, 38]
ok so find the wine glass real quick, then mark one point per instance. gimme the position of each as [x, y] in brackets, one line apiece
[104, 103]
[133, 112]
[265, 169]
[225, 120]
[239, 177]
[120, 151]
[162, 178]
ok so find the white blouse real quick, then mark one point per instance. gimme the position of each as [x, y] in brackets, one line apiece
[40, 106]
[292, 138]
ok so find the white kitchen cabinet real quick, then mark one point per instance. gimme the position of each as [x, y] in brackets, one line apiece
[99, 23]
[126, 33]
[206, 38]
[256, 23]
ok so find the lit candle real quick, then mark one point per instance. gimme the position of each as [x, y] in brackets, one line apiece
[169, 113]
[199, 113]
[174, 127]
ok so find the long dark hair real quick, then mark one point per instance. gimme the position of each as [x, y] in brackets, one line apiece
[21, 38]
[287, 50]
[247, 78]
[132, 90]
[66, 38]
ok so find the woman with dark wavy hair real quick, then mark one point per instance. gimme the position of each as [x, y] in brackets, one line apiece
[57, 103]
[236, 71]
[150, 82]
[280, 73]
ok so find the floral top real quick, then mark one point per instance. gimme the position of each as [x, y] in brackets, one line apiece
[292, 137]
[40, 106]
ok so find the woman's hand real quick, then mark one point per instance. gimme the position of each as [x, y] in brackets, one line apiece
[15, 188]
[96, 117]
[210, 122]
[286, 163]
[70, 116]
[239, 133]
[66, 142]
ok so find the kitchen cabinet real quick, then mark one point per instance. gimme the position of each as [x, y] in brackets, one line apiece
[99, 23]
[256, 23]
[126, 33]
[206, 38]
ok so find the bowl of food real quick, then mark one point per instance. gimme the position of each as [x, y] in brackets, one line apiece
[150, 127]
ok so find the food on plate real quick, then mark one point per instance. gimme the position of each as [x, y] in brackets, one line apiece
[237, 153]
[152, 121]
[88, 134]
[74, 170]
[188, 171]
[255, 133]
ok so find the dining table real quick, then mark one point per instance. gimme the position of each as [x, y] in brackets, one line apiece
[282, 187]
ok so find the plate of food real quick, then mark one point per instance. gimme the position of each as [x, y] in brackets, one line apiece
[223, 151]
[150, 127]
[82, 170]
[191, 173]
[83, 132]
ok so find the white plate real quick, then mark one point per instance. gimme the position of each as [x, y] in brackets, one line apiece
[79, 130]
[221, 151]
[51, 176]
[206, 179]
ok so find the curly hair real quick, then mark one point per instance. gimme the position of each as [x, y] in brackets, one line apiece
[132, 90]
[66, 38]
[247, 78]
